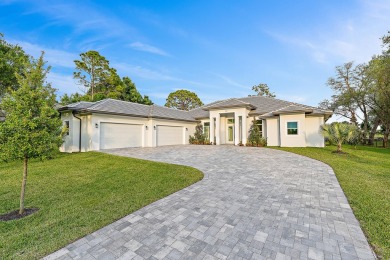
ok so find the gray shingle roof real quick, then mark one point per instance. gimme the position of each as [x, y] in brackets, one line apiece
[120, 107]
[113, 106]
[165, 112]
[262, 106]
[231, 102]
[81, 104]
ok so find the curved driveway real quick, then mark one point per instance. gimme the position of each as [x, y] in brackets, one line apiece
[253, 203]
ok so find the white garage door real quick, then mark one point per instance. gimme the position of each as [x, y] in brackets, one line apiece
[114, 135]
[169, 135]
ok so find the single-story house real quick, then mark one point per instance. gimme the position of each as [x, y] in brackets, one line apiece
[113, 123]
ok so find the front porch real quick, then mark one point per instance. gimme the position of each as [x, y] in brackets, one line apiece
[228, 127]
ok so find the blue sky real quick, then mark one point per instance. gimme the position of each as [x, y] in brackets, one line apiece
[216, 48]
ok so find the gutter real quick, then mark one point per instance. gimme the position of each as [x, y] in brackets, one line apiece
[74, 114]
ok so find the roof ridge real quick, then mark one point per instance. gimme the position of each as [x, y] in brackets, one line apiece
[280, 108]
[124, 101]
[216, 102]
[175, 109]
[98, 103]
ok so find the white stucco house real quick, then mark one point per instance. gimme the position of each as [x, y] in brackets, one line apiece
[113, 123]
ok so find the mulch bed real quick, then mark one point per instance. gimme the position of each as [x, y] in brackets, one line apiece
[13, 215]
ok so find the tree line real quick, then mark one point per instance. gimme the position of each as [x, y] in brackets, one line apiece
[361, 92]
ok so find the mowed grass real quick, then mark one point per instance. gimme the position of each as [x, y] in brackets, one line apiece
[78, 194]
[364, 175]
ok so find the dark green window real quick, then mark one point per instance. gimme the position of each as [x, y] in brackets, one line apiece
[292, 128]
[259, 123]
[206, 130]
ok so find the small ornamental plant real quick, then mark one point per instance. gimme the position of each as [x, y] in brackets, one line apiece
[340, 133]
[199, 137]
[255, 138]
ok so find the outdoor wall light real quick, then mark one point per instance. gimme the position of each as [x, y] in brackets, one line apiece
[146, 127]
[96, 125]
[186, 129]
[154, 127]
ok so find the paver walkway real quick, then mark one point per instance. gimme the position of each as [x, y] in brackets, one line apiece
[253, 203]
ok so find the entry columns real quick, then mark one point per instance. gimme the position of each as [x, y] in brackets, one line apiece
[217, 129]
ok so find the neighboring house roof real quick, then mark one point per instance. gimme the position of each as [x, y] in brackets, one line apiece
[258, 105]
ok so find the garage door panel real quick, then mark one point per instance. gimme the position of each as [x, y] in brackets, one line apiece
[116, 135]
[169, 135]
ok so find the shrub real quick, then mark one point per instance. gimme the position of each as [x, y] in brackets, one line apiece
[199, 137]
[340, 133]
[255, 138]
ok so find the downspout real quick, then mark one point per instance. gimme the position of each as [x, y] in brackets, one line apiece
[74, 114]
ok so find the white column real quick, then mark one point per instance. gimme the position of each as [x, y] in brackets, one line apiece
[212, 130]
[218, 129]
[236, 129]
[244, 129]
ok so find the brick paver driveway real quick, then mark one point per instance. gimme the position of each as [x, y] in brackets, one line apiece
[253, 203]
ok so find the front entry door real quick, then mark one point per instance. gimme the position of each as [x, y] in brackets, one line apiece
[230, 131]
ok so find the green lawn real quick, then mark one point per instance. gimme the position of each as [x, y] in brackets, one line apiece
[78, 194]
[364, 175]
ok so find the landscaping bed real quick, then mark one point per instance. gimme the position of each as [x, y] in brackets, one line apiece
[77, 194]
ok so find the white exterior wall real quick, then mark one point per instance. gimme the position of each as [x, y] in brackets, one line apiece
[298, 140]
[314, 137]
[90, 138]
[272, 132]
[71, 141]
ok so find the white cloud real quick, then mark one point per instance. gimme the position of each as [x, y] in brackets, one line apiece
[139, 46]
[354, 38]
[230, 81]
[139, 71]
[63, 83]
[149, 74]
[52, 56]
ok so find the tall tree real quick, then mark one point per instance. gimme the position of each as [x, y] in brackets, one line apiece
[12, 60]
[32, 127]
[128, 92]
[379, 98]
[183, 99]
[262, 89]
[343, 102]
[92, 70]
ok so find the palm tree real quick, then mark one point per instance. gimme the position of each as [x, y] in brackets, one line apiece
[340, 133]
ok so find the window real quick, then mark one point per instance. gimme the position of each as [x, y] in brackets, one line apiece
[230, 121]
[67, 127]
[292, 128]
[259, 124]
[206, 130]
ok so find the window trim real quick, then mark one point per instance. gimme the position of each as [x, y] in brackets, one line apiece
[258, 125]
[297, 128]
